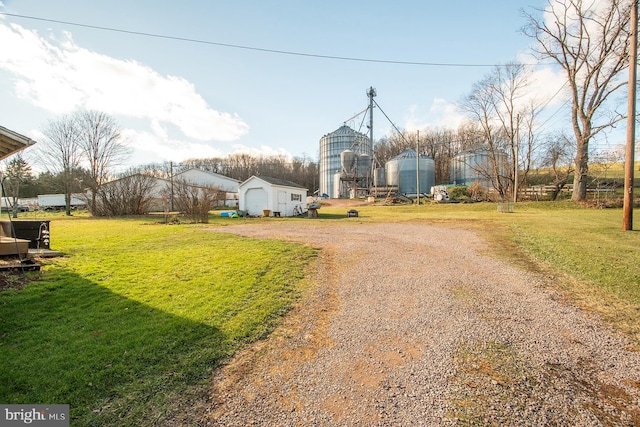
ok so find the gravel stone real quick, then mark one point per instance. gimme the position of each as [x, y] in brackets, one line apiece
[411, 324]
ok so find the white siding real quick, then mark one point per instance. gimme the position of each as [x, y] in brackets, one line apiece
[257, 195]
[209, 179]
[256, 200]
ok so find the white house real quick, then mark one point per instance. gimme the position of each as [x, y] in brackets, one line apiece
[260, 193]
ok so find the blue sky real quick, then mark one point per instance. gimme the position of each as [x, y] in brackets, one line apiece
[176, 100]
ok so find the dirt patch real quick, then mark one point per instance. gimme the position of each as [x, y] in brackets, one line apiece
[14, 280]
[344, 203]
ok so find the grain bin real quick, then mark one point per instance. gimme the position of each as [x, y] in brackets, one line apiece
[406, 169]
[363, 165]
[332, 146]
[379, 177]
[476, 165]
[348, 161]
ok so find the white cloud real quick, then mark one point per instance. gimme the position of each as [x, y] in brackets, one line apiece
[548, 86]
[152, 147]
[442, 113]
[60, 76]
[262, 151]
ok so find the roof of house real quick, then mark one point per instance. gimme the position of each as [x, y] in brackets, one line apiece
[11, 142]
[205, 172]
[277, 181]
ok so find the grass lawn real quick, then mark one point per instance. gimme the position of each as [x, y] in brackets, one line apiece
[595, 262]
[138, 312]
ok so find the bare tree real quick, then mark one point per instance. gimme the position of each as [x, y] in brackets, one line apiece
[440, 145]
[195, 201]
[528, 140]
[101, 144]
[131, 194]
[242, 165]
[557, 156]
[468, 135]
[389, 147]
[497, 105]
[61, 154]
[590, 41]
[383, 150]
[605, 160]
[212, 164]
[480, 106]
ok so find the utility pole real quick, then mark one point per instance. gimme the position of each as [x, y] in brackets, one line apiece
[516, 161]
[627, 212]
[418, 168]
[171, 178]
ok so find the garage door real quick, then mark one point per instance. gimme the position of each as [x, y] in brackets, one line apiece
[256, 201]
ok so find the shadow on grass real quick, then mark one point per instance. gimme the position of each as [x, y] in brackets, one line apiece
[115, 361]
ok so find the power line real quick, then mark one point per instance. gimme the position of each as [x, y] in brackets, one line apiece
[253, 48]
[544, 105]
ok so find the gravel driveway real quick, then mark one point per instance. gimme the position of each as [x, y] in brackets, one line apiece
[411, 324]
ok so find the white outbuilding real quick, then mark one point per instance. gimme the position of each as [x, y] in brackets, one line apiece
[279, 197]
[202, 178]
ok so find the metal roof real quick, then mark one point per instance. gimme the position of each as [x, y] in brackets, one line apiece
[282, 182]
[345, 130]
[409, 154]
[11, 142]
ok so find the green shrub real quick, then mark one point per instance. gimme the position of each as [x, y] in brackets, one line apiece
[459, 192]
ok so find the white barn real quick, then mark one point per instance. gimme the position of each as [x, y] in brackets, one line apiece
[201, 178]
[278, 196]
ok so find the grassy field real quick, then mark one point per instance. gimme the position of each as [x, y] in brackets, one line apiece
[138, 313]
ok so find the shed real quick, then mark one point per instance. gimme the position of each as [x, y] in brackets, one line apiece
[278, 196]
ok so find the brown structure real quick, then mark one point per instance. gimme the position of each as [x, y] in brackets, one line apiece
[10, 143]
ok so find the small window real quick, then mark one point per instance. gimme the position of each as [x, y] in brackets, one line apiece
[296, 197]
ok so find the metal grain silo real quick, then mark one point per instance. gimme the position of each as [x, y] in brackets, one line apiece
[348, 161]
[477, 165]
[337, 190]
[332, 146]
[406, 170]
[379, 177]
[363, 165]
